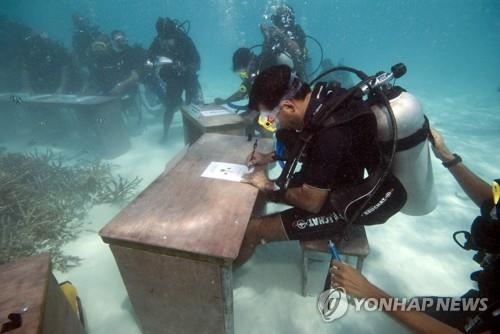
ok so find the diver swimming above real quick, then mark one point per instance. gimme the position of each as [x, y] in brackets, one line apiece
[284, 41]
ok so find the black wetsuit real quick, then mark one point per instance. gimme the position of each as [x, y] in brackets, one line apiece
[273, 46]
[336, 159]
[178, 77]
[112, 67]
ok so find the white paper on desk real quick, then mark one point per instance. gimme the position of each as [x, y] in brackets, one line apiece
[215, 112]
[226, 171]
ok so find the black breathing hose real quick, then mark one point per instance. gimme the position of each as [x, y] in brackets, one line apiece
[360, 74]
[321, 52]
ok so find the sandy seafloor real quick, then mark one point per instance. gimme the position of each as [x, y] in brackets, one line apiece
[409, 255]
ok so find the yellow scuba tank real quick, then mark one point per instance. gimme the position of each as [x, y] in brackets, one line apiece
[71, 295]
[412, 163]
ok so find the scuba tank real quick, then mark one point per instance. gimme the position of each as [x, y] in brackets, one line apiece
[412, 163]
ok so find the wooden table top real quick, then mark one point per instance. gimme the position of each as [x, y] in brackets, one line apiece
[183, 211]
[57, 99]
[205, 122]
[24, 283]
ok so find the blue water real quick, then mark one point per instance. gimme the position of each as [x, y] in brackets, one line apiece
[452, 51]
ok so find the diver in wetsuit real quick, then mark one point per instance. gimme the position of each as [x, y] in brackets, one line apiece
[180, 74]
[247, 65]
[284, 42]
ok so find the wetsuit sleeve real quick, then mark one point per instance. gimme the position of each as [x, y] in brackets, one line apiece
[191, 55]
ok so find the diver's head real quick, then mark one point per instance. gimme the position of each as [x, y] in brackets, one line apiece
[119, 39]
[284, 17]
[241, 60]
[280, 97]
[101, 45]
[79, 21]
[166, 28]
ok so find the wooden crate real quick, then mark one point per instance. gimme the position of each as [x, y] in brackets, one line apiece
[29, 283]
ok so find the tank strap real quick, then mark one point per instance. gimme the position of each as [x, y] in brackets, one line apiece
[413, 140]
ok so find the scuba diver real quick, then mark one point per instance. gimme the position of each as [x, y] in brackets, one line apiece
[176, 61]
[115, 72]
[322, 134]
[284, 42]
[484, 238]
[84, 34]
[247, 65]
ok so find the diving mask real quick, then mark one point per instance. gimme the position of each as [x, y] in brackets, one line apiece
[269, 119]
[243, 75]
[496, 191]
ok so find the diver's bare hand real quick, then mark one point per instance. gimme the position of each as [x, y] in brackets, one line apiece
[439, 147]
[354, 283]
[258, 179]
[259, 159]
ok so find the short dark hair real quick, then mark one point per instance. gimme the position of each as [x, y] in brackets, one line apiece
[270, 87]
[241, 58]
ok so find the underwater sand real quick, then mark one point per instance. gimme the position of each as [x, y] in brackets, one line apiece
[410, 256]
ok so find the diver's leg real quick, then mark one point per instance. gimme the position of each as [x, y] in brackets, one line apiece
[260, 230]
[173, 98]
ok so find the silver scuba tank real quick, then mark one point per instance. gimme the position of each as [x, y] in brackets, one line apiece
[412, 163]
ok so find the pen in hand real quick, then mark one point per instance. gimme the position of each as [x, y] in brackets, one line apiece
[253, 151]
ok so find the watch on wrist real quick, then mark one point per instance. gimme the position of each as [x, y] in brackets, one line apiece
[450, 163]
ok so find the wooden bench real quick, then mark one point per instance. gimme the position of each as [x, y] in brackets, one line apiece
[196, 124]
[28, 288]
[355, 244]
[175, 243]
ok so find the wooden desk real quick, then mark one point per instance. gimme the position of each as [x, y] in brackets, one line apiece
[175, 243]
[195, 124]
[29, 283]
[102, 114]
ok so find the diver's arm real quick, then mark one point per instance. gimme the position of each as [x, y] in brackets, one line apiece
[356, 285]
[237, 96]
[132, 79]
[476, 188]
[305, 197]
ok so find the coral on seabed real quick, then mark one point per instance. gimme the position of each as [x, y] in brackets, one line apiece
[44, 202]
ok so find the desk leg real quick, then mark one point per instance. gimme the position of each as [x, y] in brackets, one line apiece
[111, 129]
[176, 294]
[191, 132]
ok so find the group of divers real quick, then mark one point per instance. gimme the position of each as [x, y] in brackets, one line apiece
[320, 115]
[154, 79]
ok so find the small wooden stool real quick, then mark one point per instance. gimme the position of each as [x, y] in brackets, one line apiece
[356, 244]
